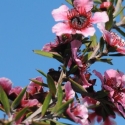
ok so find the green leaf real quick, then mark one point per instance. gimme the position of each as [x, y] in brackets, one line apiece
[51, 84]
[70, 1]
[58, 123]
[110, 15]
[63, 107]
[78, 87]
[87, 56]
[20, 113]
[105, 60]
[41, 72]
[117, 54]
[50, 55]
[98, 1]
[18, 99]
[73, 69]
[5, 101]
[59, 98]
[36, 81]
[120, 11]
[100, 94]
[46, 103]
[94, 41]
[102, 43]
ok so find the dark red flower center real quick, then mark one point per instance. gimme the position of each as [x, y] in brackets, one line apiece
[79, 18]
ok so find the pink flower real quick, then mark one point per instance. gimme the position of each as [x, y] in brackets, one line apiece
[69, 91]
[113, 39]
[106, 5]
[6, 84]
[77, 20]
[29, 103]
[114, 82]
[14, 92]
[34, 87]
[79, 113]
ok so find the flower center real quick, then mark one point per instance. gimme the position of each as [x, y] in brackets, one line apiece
[78, 22]
[79, 18]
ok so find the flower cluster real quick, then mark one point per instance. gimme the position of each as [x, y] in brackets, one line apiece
[69, 91]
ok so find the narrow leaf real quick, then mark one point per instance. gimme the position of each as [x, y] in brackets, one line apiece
[39, 123]
[105, 61]
[49, 54]
[5, 101]
[70, 1]
[46, 103]
[18, 99]
[94, 41]
[41, 72]
[63, 107]
[36, 81]
[51, 84]
[20, 113]
[117, 54]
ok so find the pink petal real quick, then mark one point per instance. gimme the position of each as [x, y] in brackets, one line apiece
[99, 75]
[60, 14]
[61, 28]
[16, 90]
[69, 91]
[111, 73]
[100, 17]
[29, 103]
[87, 31]
[86, 4]
[109, 121]
[6, 84]
[121, 50]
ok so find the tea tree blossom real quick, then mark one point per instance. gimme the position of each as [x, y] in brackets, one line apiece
[112, 39]
[78, 19]
[114, 82]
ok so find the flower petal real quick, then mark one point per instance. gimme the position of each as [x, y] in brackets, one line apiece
[60, 14]
[61, 28]
[100, 17]
[86, 4]
[87, 31]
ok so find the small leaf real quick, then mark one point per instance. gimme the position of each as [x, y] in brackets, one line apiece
[73, 69]
[117, 54]
[5, 101]
[59, 98]
[70, 1]
[98, 1]
[36, 81]
[87, 56]
[18, 99]
[100, 94]
[51, 84]
[41, 72]
[63, 107]
[46, 103]
[102, 43]
[105, 60]
[20, 113]
[94, 41]
[50, 55]
[110, 15]
[79, 88]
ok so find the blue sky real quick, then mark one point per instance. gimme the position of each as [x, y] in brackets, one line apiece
[25, 25]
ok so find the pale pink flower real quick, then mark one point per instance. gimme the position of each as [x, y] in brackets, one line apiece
[112, 39]
[114, 82]
[69, 91]
[77, 20]
[106, 5]
[6, 84]
[79, 113]
[75, 45]
[29, 103]
[33, 88]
